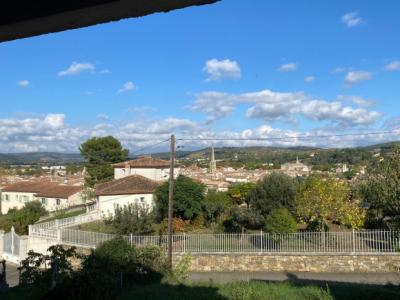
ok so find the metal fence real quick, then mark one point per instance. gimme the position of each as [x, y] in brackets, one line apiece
[11, 243]
[302, 242]
[67, 222]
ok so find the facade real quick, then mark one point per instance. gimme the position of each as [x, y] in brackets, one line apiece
[53, 196]
[152, 168]
[295, 169]
[133, 189]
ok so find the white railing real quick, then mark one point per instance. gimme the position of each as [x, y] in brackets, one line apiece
[67, 222]
[351, 242]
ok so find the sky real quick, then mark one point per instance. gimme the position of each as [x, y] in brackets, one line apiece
[234, 69]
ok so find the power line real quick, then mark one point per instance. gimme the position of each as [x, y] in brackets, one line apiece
[288, 137]
[150, 146]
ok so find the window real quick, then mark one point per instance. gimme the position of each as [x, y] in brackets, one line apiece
[142, 200]
[58, 201]
[6, 197]
[25, 198]
[44, 201]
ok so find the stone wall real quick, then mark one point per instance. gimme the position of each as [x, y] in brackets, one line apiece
[293, 263]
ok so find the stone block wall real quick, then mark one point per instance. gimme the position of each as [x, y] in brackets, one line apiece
[293, 263]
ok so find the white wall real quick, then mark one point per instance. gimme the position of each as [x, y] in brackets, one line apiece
[15, 199]
[107, 204]
[151, 173]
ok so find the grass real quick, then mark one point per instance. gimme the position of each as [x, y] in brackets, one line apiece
[98, 226]
[257, 290]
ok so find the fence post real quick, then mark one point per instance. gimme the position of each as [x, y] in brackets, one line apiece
[353, 240]
[131, 239]
[29, 229]
[12, 239]
[261, 240]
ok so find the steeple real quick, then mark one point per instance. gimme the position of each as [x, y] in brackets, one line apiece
[297, 160]
[213, 163]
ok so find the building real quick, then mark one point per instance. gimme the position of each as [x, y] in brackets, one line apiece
[152, 168]
[53, 196]
[295, 169]
[133, 189]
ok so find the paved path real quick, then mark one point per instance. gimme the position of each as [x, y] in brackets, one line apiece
[364, 278]
[12, 275]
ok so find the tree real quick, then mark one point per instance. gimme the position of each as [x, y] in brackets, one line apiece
[319, 201]
[214, 205]
[273, 191]
[280, 220]
[133, 218]
[188, 198]
[239, 192]
[381, 192]
[100, 153]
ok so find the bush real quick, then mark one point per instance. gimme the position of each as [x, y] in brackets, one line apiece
[280, 220]
[133, 218]
[240, 217]
[214, 205]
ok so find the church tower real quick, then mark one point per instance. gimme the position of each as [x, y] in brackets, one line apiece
[213, 163]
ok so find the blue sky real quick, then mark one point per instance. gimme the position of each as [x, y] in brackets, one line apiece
[232, 69]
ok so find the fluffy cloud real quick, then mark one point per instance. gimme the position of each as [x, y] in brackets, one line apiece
[288, 67]
[23, 83]
[221, 69]
[309, 79]
[339, 70]
[356, 100]
[127, 86]
[102, 117]
[392, 66]
[268, 105]
[76, 68]
[353, 77]
[352, 19]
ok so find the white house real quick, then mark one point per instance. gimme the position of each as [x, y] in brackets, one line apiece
[53, 196]
[152, 168]
[133, 189]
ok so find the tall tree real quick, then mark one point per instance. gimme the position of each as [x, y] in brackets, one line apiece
[275, 190]
[100, 153]
[188, 198]
[381, 192]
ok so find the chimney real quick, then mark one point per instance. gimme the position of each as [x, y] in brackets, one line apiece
[127, 169]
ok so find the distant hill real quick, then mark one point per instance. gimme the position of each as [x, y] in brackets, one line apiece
[40, 158]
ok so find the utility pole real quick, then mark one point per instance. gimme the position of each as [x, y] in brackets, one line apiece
[171, 197]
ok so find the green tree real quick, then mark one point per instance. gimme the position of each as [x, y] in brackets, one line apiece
[275, 190]
[319, 201]
[214, 205]
[188, 198]
[380, 192]
[239, 192]
[280, 220]
[100, 153]
[133, 218]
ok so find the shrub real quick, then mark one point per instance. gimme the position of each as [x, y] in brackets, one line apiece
[214, 205]
[240, 217]
[133, 218]
[280, 220]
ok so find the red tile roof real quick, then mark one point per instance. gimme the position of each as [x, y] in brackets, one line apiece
[134, 184]
[143, 162]
[44, 189]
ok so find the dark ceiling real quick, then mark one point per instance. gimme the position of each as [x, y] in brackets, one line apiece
[20, 19]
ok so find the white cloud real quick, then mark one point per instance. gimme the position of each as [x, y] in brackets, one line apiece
[76, 68]
[127, 86]
[221, 69]
[392, 66]
[54, 120]
[353, 77]
[339, 70]
[356, 100]
[288, 67]
[23, 83]
[352, 19]
[102, 117]
[268, 105]
[309, 79]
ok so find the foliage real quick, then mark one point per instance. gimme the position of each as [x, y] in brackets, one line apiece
[21, 218]
[239, 192]
[280, 220]
[72, 169]
[99, 153]
[133, 218]
[273, 191]
[328, 200]
[188, 198]
[381, 191]
[87, 194]
[180, 273]
[240, 218]
[214, 205]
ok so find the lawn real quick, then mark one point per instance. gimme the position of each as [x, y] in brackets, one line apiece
[63, 215]
[238, 291]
